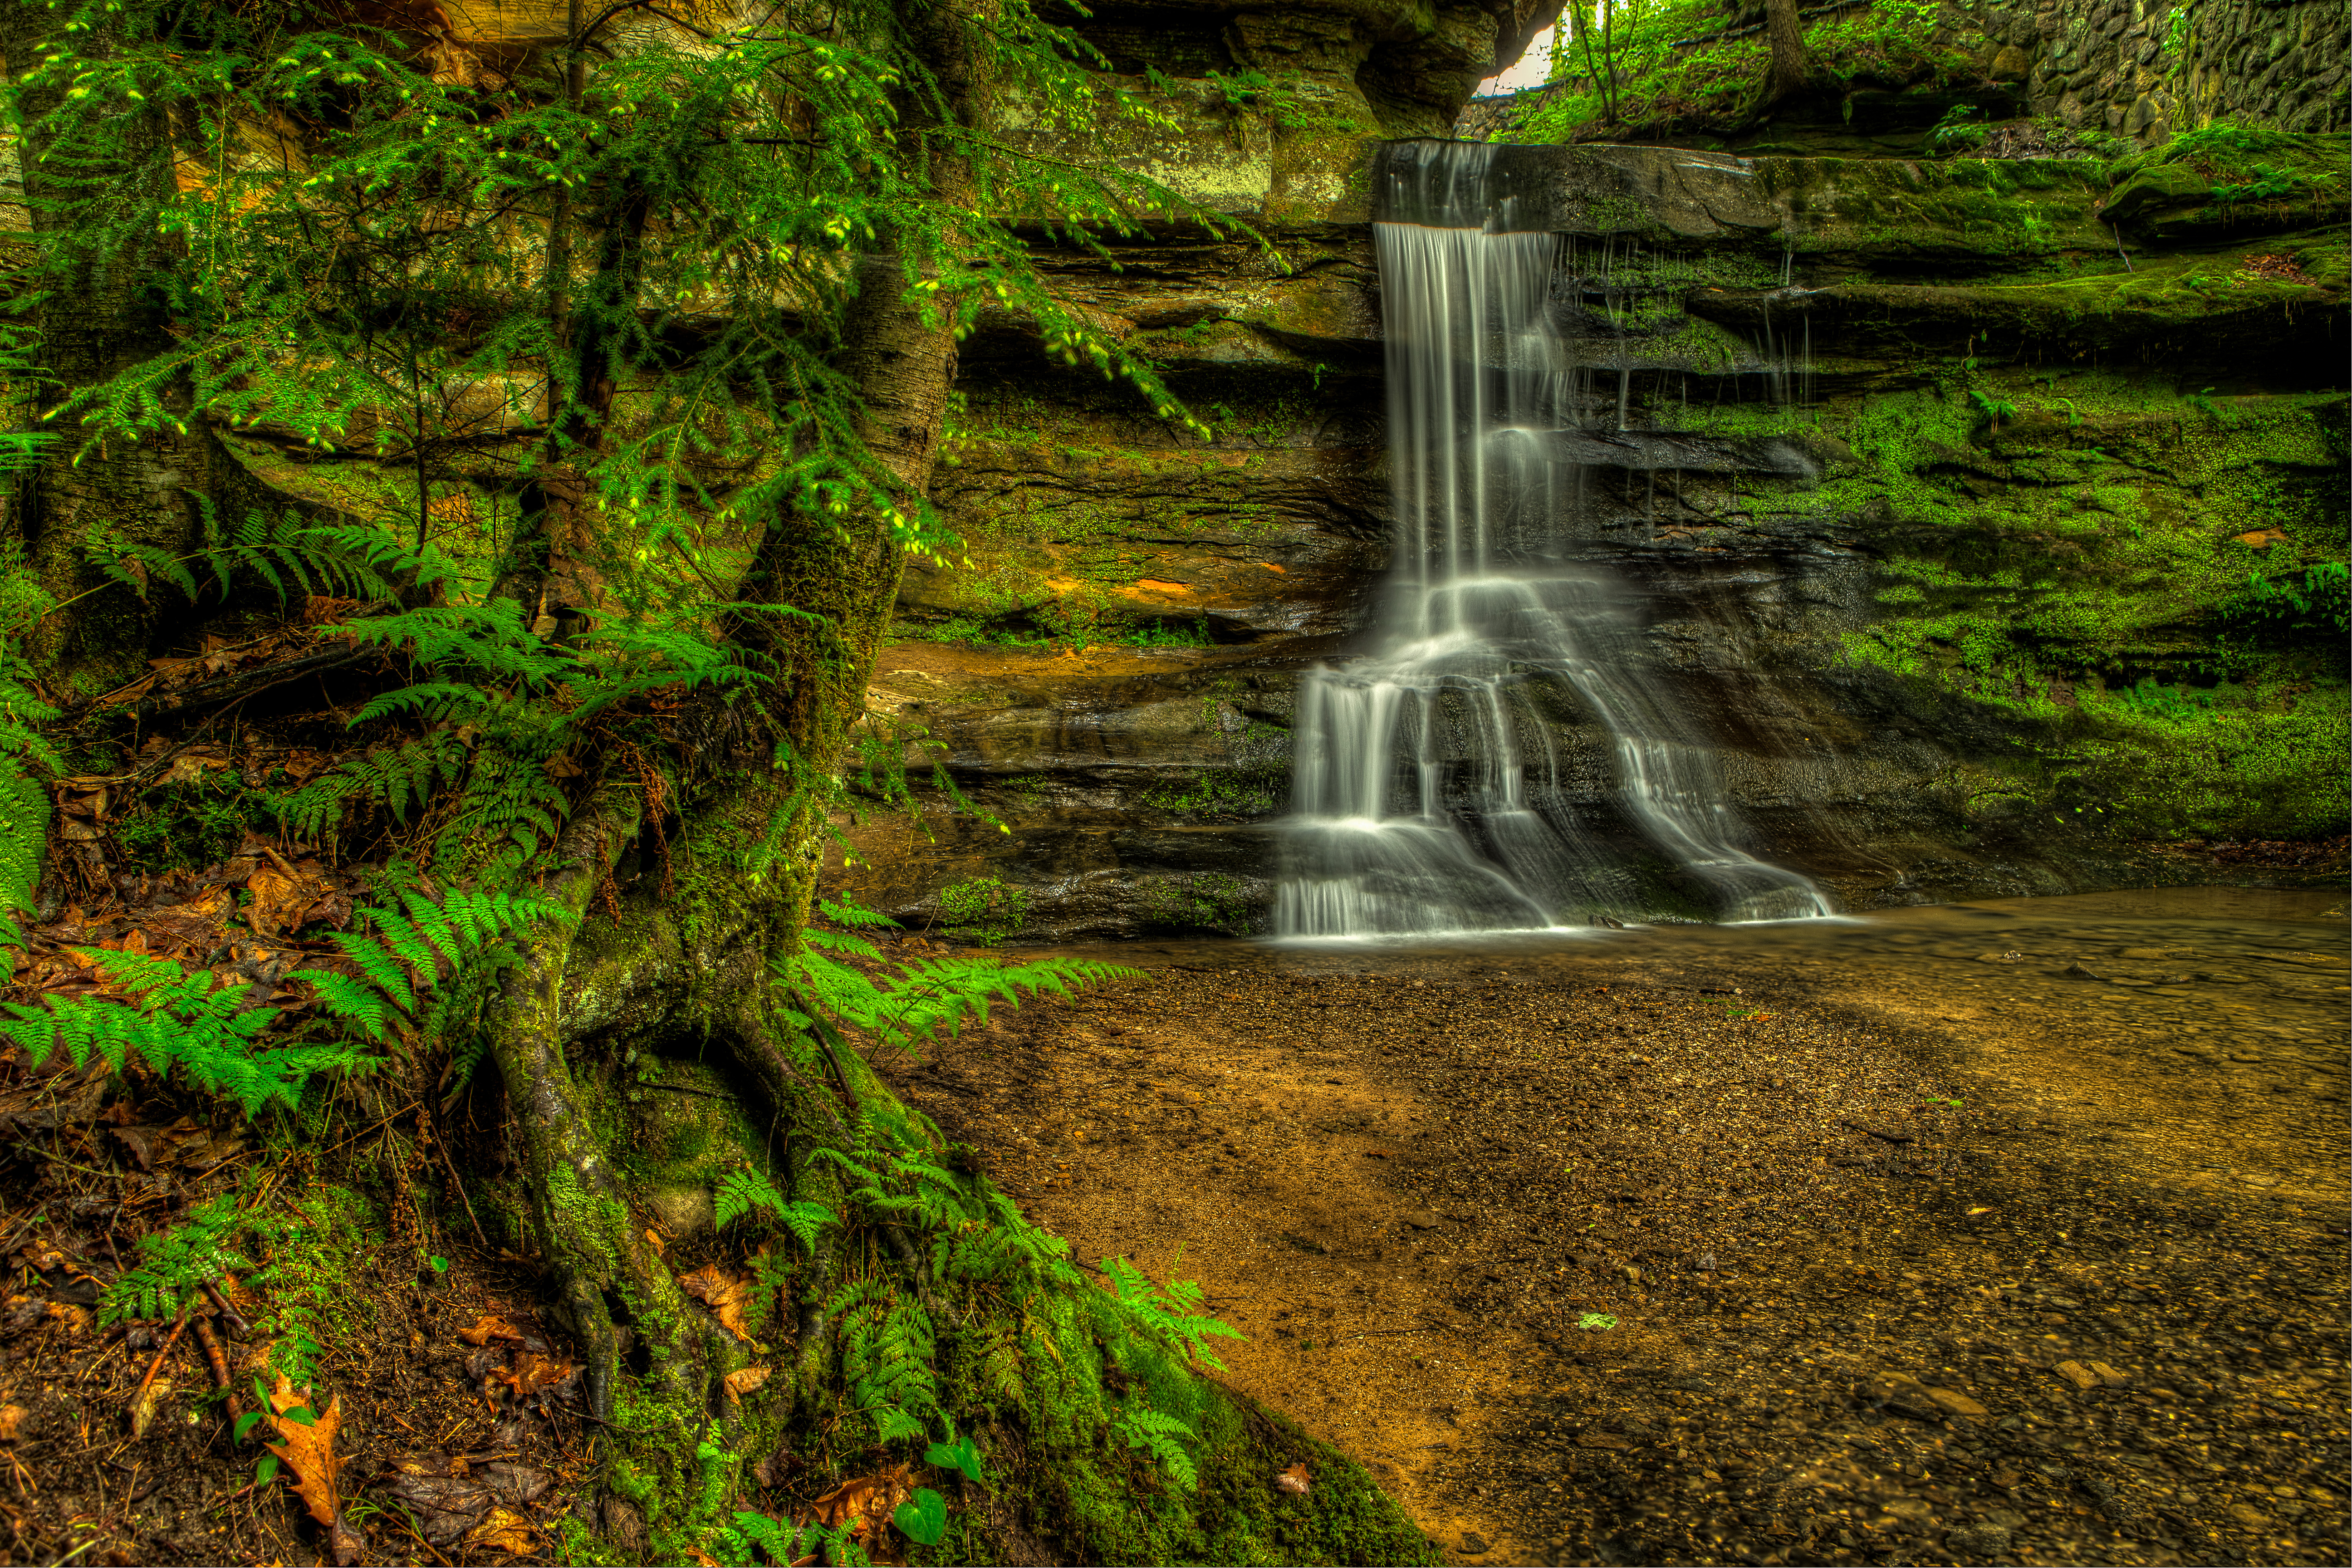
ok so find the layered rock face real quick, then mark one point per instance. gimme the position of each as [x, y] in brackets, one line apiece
[1933, 486]
[1405, 66]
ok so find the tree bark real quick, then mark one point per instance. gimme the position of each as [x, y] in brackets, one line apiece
[1787, 73]
[102, 315]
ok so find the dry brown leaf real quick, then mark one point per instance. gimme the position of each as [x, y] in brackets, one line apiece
[279, 899]
[488, 1328]
[867, 1501]
[530, 1375]
[724, 1294]
[743, 1380]
[192, 764]
[12, 1422]
[76, 1318]
[308, 1452]
[504, 1529]
[1294, 1480]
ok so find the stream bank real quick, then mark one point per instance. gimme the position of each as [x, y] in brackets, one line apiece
[1852, 1319]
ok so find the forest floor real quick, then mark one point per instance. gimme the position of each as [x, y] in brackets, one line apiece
[1895, 1240]
[1900, 1241]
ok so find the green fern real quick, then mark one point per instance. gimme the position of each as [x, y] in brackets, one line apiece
[175, 1263]
[1166, 1313]
[886, 1348]
[740, 1192]
[1163, 1436]
[418, 943]
[25, 754]
[170, 1016]
[214, 1028]
[394, 777]
[925, 998]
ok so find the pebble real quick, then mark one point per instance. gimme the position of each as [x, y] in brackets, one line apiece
[1959, 1404]
[1473, 1543]
[2081, 1376]
[1978, 1544]
[1423, 1219]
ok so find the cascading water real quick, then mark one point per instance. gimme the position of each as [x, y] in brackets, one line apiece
[1427, 794]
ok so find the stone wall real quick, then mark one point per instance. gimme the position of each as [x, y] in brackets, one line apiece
[2115, 66]
[2122, 68]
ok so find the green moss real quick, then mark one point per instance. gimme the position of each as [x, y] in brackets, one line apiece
[2074, 563]
[1202, 902]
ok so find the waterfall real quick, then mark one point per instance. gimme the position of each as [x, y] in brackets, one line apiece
[1428, 794]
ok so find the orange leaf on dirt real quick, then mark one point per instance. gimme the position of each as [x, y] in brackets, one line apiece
[309, 1455]
[488, 1327]
[12, 1422]
[532, 1371]
[743, 1380]
[281, 894]
[504, 1529]
[724, 1294]
[308, 1452]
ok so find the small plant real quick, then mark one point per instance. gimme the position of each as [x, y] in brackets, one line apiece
[1995, 408]
[1595, 1321]
[985, 910]
[1959, 130]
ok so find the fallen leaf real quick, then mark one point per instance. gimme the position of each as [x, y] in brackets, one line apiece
[744, 1380]
[867, 1502]
[143, 1408]
[190, 765]
[276, 895]
[12, 1422]
[1293, 1480]
[506, 1530]
[488, 1328]
[724, 1294]
[76, 1318]
[308, 1452]
[534, 1377]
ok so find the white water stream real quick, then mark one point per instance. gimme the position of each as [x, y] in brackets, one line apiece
[1427, 790]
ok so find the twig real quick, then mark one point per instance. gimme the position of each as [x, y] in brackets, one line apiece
[442, 1148]
[157, 1365]
[234, 1319]
[1875, 1133]
[218, 1360]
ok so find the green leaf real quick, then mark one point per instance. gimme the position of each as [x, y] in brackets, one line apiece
[266, 1468]
[923, 1518]
[956, 1453]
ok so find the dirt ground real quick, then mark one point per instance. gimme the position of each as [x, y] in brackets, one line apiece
[2012, 1231]
[1995, 1233]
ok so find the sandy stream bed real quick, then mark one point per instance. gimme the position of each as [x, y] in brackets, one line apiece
[2089, 1313]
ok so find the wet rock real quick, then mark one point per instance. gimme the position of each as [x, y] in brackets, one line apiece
[1978, 1542]
[1473, 1543]
[2081, 1376]
[2080, 972]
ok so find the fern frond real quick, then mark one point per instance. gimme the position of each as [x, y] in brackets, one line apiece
[1163, 1436]
[174, 1265]
[740, 1192]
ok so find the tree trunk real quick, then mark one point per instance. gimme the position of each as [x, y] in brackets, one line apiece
[1787, 73]
[103, 312]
